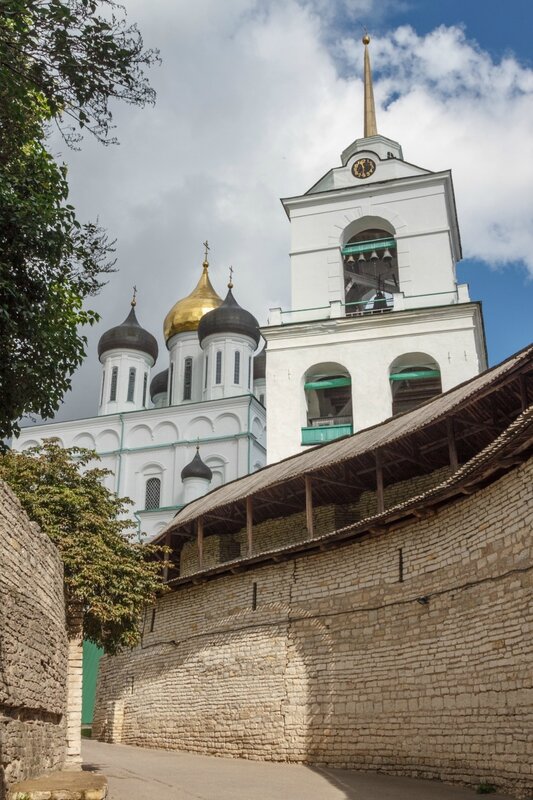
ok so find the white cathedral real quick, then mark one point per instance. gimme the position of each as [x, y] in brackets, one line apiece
[378, 325]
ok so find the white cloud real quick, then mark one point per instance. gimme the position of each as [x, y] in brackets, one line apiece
[456, 108]
[254, 104]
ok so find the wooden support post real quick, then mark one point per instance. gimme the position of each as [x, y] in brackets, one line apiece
[523, 392]
[494, 412]
[167, 556]
[452, 444]
[249, 525]
[379, 483]
[200, 541]
[309, 506]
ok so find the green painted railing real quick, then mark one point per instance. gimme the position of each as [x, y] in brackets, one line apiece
[329, 383]
[415, 375]
[368, 246]
[325, 434]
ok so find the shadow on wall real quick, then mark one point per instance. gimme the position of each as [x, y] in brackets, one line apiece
[247, 648]
[377, 655]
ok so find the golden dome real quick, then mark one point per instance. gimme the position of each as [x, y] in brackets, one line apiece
[186, 314]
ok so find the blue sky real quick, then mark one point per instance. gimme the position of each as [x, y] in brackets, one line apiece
[500, 29]
[257, 99]
[497, 27]
[506, 294]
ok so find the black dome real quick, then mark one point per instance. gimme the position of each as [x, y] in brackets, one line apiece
[229, 318]
[196, 469]
[260, 365]
[159, 383]
[128, 336]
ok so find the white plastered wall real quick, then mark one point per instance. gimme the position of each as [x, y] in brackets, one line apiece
[159, 442]
[366, 347]
[228, 344]
[182, 346]
[124, 360]
[418, 211]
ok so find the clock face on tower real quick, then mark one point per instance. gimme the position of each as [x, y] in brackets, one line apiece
[363, 168]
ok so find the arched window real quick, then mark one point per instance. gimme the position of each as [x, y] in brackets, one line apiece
[131, 385]
[187, 378]
[414, 378]
[206, 371]
[237, 368]
[170, 384]
[217, 465]
[145, 387]
[102, 391]
[114, 381]
[152, 496]
[218, 367]
[328, 397]
[370, 272]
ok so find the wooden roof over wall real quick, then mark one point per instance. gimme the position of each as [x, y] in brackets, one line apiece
[450, 430]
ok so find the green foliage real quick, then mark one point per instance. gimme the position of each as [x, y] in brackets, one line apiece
[78, 55]
[112, 576]
[48, 264]
[59, 59]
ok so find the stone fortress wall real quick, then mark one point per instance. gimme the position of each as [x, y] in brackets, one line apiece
[33, 648]
[346, 662]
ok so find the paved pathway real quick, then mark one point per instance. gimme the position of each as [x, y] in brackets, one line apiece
[136, 773]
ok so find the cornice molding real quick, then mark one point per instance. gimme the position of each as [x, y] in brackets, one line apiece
[371, 322]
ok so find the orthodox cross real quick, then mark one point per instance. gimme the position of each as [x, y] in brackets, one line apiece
[230, 284]
[207, 248]
[133, 299]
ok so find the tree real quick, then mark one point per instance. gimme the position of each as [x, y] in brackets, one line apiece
[63, 62]
[78, 55]
[49, 264]
[112, 577]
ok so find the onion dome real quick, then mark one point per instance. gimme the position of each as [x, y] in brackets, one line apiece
[159, 383]
[196, 469]
[187, 313]
[229, 318]
[260, 365]
[129, 336]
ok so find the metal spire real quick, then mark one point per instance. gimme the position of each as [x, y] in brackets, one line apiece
[371, 128]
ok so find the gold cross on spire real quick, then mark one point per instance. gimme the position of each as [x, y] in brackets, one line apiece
[230, 282]
[134, 298]
[371, 128]
[207, 248]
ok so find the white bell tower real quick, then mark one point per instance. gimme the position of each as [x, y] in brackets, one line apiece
[378, 322]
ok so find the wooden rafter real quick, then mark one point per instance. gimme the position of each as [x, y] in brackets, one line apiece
[379, 482]
[309, 505]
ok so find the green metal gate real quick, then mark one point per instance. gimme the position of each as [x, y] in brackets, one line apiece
[91, 658]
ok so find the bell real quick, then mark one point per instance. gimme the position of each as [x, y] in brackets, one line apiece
[350, 260]
[387, 255]
[361, 259]
[374, 256]
[380, 301]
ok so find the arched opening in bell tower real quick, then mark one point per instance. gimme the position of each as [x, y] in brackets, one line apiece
[370, 266]
[414, 378]
[328, 401]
